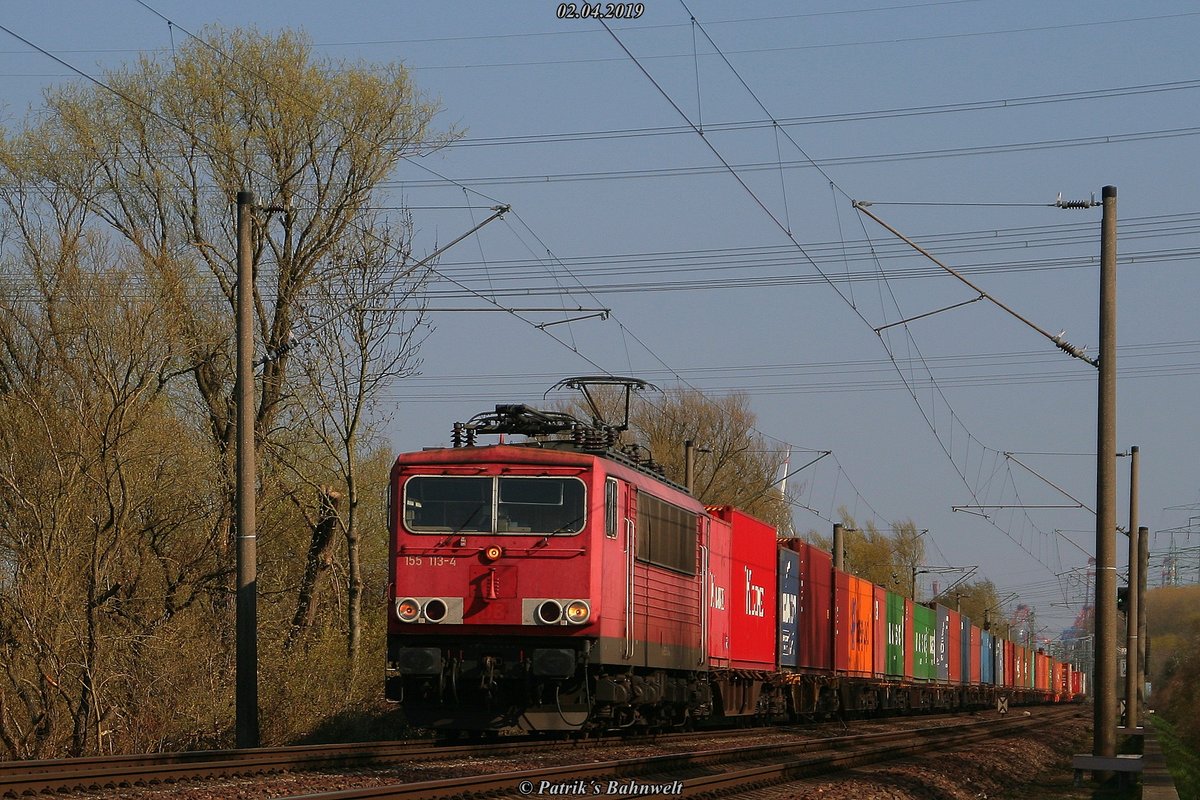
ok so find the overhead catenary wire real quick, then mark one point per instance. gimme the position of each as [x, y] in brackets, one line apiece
[1057, 339]
[757, 201]
[543, 327]
[489, 297]
[832, 118]
[820, 46]
[822, 164]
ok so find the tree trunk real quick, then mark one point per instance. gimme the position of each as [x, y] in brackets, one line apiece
[320, 561]
[354, 585]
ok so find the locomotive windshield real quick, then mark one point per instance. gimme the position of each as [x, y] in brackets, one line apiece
[541, 506]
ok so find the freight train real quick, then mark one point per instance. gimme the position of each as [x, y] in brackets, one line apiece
[561, 583]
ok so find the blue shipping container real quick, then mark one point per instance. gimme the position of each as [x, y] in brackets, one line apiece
[987, 667]
[942, 644]
[998, 660]
[789, 594]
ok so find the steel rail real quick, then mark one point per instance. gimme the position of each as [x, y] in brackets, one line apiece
[68, 774]
[812, 756]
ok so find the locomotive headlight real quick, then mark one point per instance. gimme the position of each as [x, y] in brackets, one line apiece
[435, 609]
[493, 552]
[549, 612]
[408, 609]
[578, 612]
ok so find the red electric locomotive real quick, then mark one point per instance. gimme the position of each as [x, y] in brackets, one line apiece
[550, 584]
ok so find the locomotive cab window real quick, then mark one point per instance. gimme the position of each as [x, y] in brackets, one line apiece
[610, 508]
[540, 505]
[441, 503]
[502, 505]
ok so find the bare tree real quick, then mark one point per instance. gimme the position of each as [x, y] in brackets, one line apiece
[117, 251]
[736, 465]
[159, 157]
[99, 558]
[885, 557]
[363, 332]
[979, 601]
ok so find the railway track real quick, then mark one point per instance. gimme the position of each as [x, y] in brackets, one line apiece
[19, 779]
[723, 771]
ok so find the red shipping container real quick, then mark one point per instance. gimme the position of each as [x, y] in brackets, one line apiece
[719, 541]
[1010, 664]
[815, 616]
[879, 632]
[976, 675]
[751, 590]
[853, 624]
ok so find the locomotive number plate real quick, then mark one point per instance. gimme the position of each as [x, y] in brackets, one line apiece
[429, 561]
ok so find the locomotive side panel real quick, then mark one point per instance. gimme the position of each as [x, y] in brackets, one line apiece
[667, 619]
[668, 581]
[612, 564]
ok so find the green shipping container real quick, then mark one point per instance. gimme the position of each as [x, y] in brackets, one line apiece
[924, 623]
[893, 665]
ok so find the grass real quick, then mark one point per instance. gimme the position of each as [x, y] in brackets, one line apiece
[1183, 761]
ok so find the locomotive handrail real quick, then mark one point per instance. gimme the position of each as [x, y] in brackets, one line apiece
[451, 551]
[629, 554]
[703, 601]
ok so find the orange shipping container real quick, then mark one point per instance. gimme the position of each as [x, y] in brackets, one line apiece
[853, 625]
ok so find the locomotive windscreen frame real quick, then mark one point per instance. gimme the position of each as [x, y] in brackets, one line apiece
[536, 505]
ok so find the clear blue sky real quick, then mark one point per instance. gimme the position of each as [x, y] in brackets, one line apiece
[962, 121]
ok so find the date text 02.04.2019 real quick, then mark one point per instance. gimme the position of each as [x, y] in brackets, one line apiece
[600, 10]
